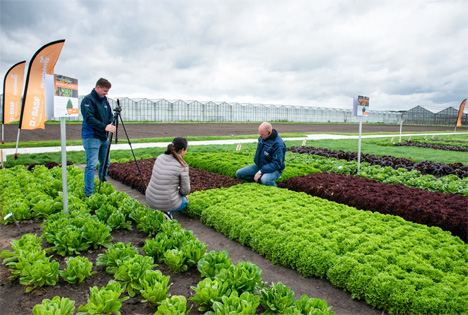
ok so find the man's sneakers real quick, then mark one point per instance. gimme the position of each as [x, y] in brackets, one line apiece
[168, 216]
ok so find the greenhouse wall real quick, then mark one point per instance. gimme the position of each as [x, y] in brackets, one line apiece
[161, 110]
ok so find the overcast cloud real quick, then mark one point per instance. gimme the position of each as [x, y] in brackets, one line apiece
[400, 53]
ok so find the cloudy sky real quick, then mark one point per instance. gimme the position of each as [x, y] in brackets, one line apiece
[400, 53]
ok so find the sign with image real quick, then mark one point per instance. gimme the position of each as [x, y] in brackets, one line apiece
[64, 100]
[361, 106]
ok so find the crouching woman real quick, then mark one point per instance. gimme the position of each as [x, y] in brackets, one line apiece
[170, 182]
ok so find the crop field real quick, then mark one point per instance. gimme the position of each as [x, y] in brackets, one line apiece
[393, 234]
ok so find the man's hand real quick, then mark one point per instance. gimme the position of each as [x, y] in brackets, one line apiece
[257, 176]
[110, 128]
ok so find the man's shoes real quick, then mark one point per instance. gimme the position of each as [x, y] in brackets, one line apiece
[168, 216]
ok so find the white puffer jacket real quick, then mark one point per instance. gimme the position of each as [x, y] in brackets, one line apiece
[170, 181]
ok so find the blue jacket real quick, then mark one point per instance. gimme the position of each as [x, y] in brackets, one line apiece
[97, 114]
[270, 153]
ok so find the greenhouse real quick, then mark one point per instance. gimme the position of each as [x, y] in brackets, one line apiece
[162, 110]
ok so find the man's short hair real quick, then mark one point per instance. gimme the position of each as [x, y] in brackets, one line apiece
[103, 83]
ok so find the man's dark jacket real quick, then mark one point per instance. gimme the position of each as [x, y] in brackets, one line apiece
[270, 153]
[97, 114]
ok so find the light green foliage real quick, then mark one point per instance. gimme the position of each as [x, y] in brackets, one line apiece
[209, 291]
[151, 223]
[78, 269]
[446, 184]
[227, 163]
[115, 255]
[104, 301]
[395, 265]
[178, 248]
[245, 304]
[276, 299]
[306, 306]
[38, 194]
[57, 306]
[212, 263]
[73, 234]
[175, 305]
[245, 277]
[155, 287]
[39, 273]
[324, 164]
[25, 251]
[175, 260]
[28, 261]
[118, 221]
[131, 271]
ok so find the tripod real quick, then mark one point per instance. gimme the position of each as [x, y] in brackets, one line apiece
[117, 115]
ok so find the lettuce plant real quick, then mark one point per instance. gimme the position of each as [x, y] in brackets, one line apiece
[193, 250]
[57, 306]
[154, 287]
[157, 246]
[25, 251]
[245, 304]
[97, 233]
[118, 221]
[308, 305]
[104, 301]
[212, 263]
[40, 273]
[78, 269]
[209, 291]
[175, 260]
[176, 305]
[151, 224]
[115, 255]
[131, 271]
[245, 277]
[276, 299]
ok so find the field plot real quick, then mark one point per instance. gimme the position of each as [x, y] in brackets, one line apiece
[406, 253]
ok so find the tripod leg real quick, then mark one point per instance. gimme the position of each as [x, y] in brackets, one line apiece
[134, 157]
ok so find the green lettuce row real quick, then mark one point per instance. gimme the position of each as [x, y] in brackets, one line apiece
[227, 163]
[37, 194]
[446, 184]
[392, 264]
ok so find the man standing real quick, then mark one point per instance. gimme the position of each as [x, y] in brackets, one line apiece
[269, 158]
[97, 121]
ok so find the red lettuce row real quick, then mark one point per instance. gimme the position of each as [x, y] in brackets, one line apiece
[425, 167]
[128, 174]
[447, 211]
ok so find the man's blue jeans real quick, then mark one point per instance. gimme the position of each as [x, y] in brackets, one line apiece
[95, 150]
[247, 173]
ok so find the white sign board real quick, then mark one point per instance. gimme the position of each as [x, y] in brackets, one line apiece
[361, 106]
[61, 96]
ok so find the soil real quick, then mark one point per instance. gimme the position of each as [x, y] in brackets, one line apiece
[14, 300]
[137, 131]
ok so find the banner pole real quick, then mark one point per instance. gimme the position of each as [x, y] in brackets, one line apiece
[3, 133]
[17, 141]
[63, 137]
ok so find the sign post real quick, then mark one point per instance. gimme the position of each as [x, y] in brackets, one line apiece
[401, 127]
[62, 101]
[360, 108]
